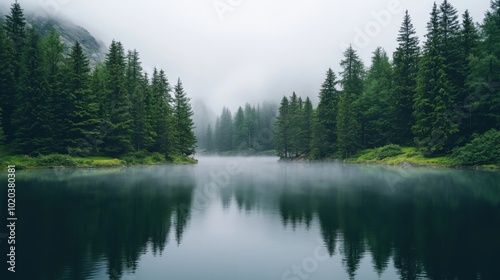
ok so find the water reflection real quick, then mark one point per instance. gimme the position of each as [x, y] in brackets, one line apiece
[433, 223]
[68, 226]
[98, 224]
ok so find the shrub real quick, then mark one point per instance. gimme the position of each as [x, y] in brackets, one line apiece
[390, 150]
[157, 157]
[55, 160]
[483, 149]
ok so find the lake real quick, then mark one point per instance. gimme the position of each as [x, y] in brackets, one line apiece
[255, 218]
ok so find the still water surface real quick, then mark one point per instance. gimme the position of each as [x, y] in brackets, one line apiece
[256, 218]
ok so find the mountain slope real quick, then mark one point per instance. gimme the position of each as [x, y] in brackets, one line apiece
[70, 33]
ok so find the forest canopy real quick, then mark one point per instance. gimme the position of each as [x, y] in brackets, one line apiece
[54, 102]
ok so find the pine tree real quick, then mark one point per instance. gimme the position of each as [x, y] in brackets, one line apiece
[83, 116]
[294, 125]
[240, 130]
[15, 27]
[117, 107]
[437, 86]
[375, 105]
[455, 67]
[306, 129]
[15, 31]
[60, 100]
[484, 78]
[348, 127]
[470, 43]
[183, 121]
[325, 123]
[250, 128]
[282, 130]
[33, 116]
[7, 84]
[469, 35]
[162, 115]
[405, 60]
[137, 87]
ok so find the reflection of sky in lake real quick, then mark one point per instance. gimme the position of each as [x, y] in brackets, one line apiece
[258, 219]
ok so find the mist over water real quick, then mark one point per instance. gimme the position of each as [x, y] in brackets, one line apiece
[257, 218]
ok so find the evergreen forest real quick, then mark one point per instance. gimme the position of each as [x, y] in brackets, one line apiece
[52, 102]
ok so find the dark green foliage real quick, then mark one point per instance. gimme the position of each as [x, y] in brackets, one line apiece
[138, 88]
[469, 42]
[53, 102]
[483, 149]
[282, 129]
[306, 129]
[15, 27]
[436, 97]
[375, 104]
[82, 105]
[483, 101]
[325, 124]
[143, 157]
[251, 128]
[33, 117]
[60, 101]
[390, 150]
[162, 115]
[184, 124]
[240, 133]
[294, 125]
[348, 126]
[437, 89]
[54, 160]
[405, 71]
[440, 96]
[7, 83]
[118, 104]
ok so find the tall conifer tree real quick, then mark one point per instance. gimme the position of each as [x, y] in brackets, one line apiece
[184, 124]
[405, 62]
[348, 127]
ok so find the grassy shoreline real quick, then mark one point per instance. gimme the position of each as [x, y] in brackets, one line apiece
[67, 161]
[410, 156]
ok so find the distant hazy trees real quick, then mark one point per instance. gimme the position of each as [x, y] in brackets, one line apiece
[249, 130]
[51, 101]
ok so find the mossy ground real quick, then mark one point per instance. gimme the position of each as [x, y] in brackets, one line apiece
[57, 160]
[409, 155]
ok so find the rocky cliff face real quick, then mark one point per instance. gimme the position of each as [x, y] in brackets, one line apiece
[70, 33]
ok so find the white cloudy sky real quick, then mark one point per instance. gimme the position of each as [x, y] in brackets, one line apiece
[256, 49]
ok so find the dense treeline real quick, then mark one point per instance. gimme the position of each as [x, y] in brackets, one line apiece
[437, 97]
[249, 130]
[53, 102]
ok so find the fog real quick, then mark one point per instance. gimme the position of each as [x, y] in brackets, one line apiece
[228, 52]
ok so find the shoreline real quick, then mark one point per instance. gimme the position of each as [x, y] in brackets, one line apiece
[57, 161]
[407, 157]
[400, 164]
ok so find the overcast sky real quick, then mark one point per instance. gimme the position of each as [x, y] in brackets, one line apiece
[228, 52]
